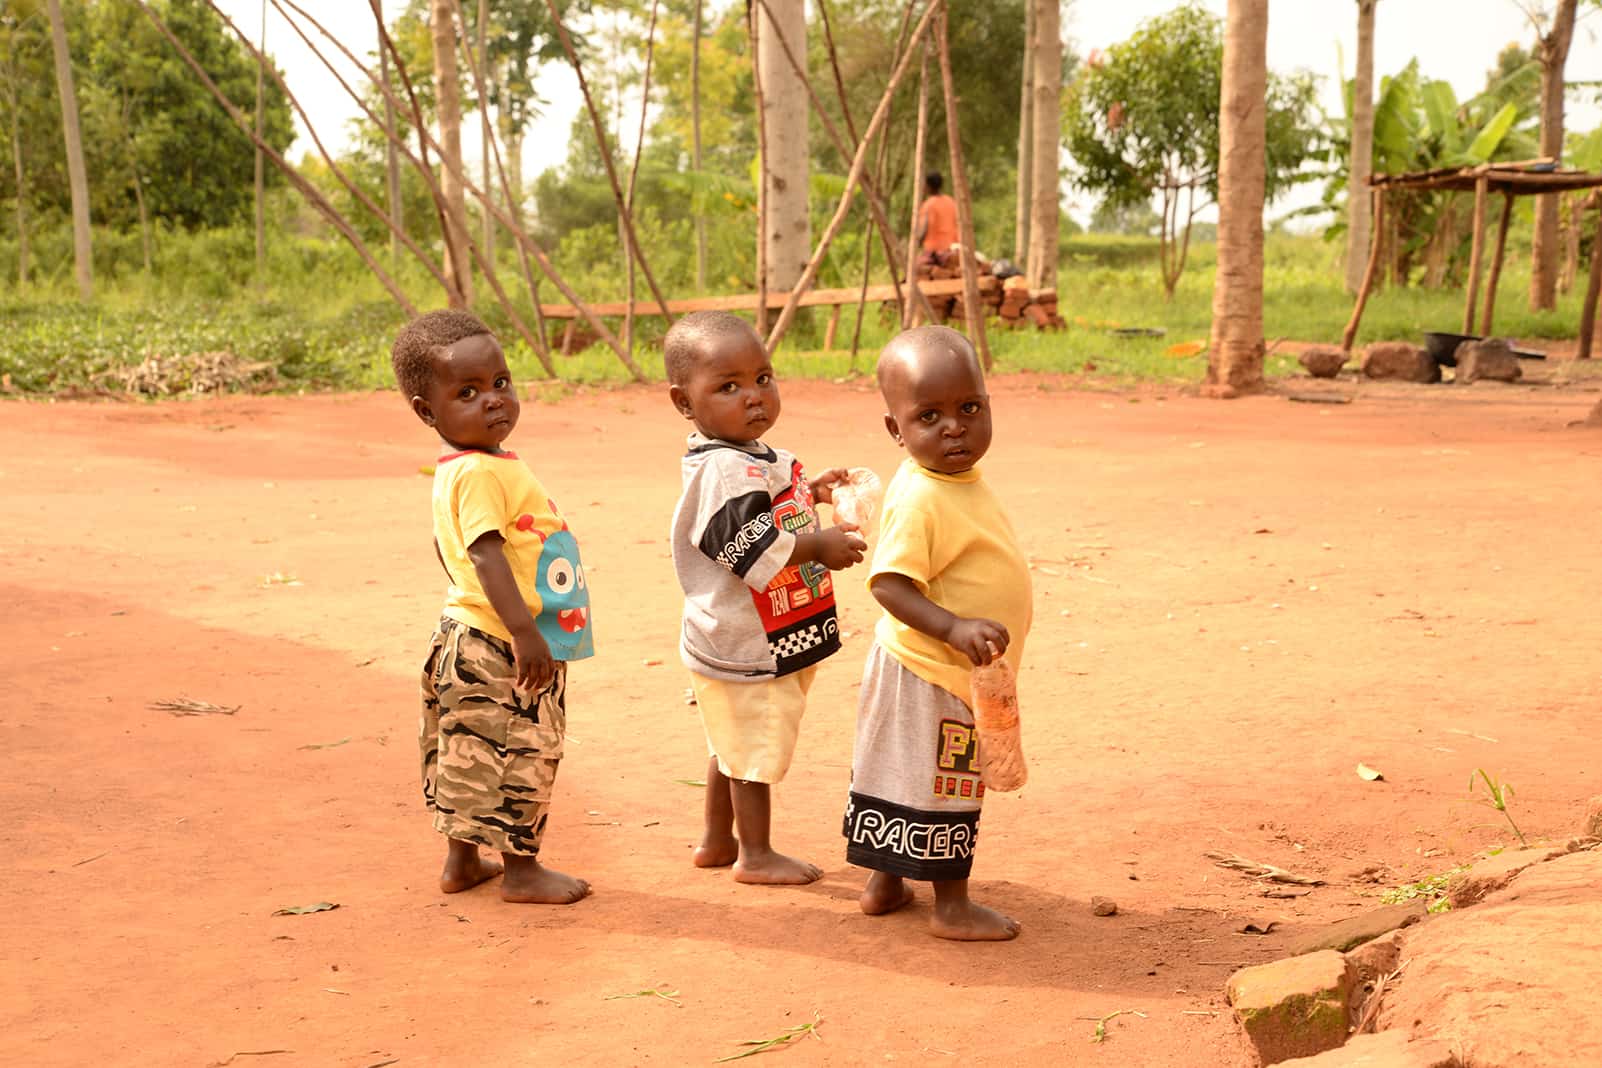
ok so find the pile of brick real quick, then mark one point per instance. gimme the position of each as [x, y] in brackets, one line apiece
[1013, 302]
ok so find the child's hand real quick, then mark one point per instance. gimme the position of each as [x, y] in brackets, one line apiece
[823, 486]
[980, 640]
[840, 546]
[535, 665]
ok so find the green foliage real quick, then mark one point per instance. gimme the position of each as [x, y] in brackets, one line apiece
[1498, 794]
[146, 118]
[1142, 120]
[1431, 888]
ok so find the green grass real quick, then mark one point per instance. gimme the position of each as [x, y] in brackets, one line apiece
[326, 324]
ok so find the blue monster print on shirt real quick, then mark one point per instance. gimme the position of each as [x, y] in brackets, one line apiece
[564, 619]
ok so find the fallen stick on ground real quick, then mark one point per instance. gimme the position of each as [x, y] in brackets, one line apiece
[183, 706]
[1261, 871]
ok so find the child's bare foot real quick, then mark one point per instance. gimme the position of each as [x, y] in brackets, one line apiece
[528, 882]
[775, 869]
[465, 868]
[885, 893]
[967, 921]
[717, 852]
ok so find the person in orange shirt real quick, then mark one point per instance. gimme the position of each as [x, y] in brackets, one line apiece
[937, 223]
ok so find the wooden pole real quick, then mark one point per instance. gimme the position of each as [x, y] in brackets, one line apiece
[1592, 287]
[762, 174]
[834, 326]
[627, 216]
[1369, 272]
[634, 169]
[1482, 187]
[971, 303]
[424, 139]
[919, 148]
[870, 189]
[1486, 317]
[853, 178]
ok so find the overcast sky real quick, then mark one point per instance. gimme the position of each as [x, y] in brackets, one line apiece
[1456, 40]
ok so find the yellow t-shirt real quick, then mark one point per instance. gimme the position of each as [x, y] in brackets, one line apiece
[478, 492]
[948, 534]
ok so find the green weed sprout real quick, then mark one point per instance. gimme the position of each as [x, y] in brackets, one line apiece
[1500, 794]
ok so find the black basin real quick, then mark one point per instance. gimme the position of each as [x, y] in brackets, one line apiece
[1442, 348]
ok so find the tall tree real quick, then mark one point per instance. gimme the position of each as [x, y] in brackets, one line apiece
[486, 135]
[1023, 201]
[447, 96]
[77, 177]
[784, 100]
[260, 186]
[1553, 51]
[1235, 353]
[1045, 156]
[22, 53]
[392, 180]
[1359, 205]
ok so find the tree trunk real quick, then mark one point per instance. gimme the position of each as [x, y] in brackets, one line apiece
[397, 214]
[485, 132]
[77, 178]
[1553, 52]
[1358, 222]
[784, 100]
[695, 146]
[259, 188]
[22, 199]
[1026, 141]
[447, 91]
[1235, 353]
[514, 174]
[1046, 67]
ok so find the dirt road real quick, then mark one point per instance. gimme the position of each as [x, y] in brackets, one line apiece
[1236, 604]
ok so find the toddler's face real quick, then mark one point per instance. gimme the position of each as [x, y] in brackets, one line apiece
[940, 411]
[472, 403]
[731, 392]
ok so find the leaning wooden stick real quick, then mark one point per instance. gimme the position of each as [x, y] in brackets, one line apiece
[634, 172]
[1261, 871]
[488, 202]
[762, 172]
[919, 147]
[606, 159]
[787, 315]
[309, 191]
[959, 180]
[870, 191]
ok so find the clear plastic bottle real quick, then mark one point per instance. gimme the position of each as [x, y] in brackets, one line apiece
[857, 499]
[995, 714]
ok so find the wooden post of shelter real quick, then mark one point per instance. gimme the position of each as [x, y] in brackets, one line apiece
[1486, 317]
[909, 314]
[1369, 272]
[971, 305]
[1482, 186]
[1592, 287]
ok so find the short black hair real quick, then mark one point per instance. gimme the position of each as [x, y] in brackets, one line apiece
[412, 355]
[687, 340]
[933, 181]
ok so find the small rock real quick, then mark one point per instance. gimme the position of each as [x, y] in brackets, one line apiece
[1294, 1007]
[1103, 906]
[1593, 810]
[1355, 930]
[1490, 359]
[1397, 359]
[1388, 1049]
[1323, 361]
[1492, 874]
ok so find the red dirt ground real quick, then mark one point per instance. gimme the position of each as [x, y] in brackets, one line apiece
[1237, 603]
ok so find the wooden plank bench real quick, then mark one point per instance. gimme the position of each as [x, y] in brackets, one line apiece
[945, 287]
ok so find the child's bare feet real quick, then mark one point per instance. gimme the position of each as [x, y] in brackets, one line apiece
[465, 868]
[528, 882]
[968, 921]
[774, 869]
[717, 851]
[885, 893]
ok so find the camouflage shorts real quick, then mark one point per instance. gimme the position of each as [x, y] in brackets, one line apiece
[489, 752]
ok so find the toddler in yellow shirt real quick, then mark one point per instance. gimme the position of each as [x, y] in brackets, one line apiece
[495, 680]
[955, 590]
